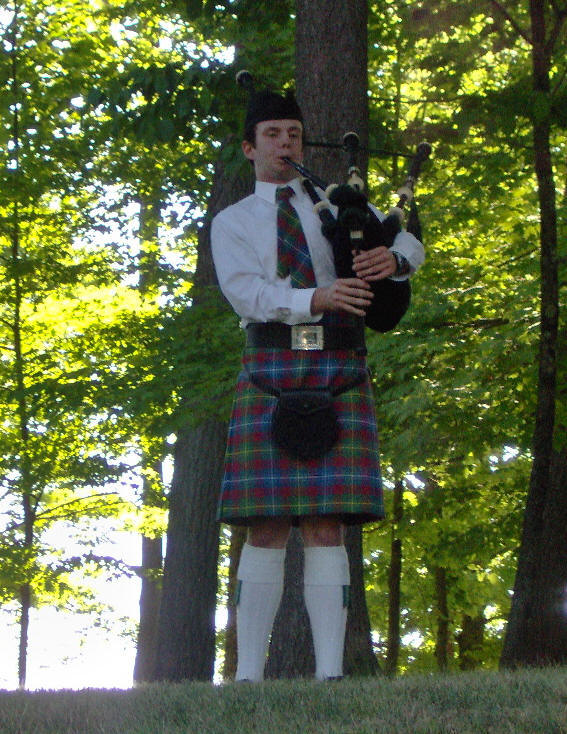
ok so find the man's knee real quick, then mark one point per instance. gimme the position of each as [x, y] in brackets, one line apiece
[319, 531]
[271, 533]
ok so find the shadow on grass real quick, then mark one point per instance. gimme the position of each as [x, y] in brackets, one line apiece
[529, 701]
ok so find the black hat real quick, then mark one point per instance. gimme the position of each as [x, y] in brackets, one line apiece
[266, 105]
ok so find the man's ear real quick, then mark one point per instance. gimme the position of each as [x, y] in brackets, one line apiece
[248, 149]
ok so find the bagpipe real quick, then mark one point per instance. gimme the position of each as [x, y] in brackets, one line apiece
[356, 227]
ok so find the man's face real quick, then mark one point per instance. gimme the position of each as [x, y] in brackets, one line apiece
[274, 140]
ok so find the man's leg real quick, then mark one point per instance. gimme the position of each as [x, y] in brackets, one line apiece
[327, 580]
[260, 585]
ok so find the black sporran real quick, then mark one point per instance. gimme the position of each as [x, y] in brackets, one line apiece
[305, 422]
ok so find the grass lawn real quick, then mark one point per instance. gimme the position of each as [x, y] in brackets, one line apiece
[526, 701]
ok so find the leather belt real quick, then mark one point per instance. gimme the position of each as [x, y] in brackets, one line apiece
[275, 335]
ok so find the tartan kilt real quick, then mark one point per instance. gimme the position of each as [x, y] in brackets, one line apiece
[262, 481]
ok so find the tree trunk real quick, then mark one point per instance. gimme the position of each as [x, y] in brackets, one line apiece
[186, 638]
[552, 592]
[331, 76]
[535, 593]
[25, 606]
[186, 641]
[442, 643]
[359, 651]
[29, 502]
[237, 538]
[291, 652]
[394, 584]
[540, 610]
[471, 640]
[329, 36]
[28, 505]
[152, 547]
[150, 599]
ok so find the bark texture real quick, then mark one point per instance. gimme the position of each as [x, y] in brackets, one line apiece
[537, 626]
[394, 584]
[150, 600]
[471, 641]
[359, 653]
[331, 78]
[186, 643]
[442, 640]
[291, 652]
[237, 538]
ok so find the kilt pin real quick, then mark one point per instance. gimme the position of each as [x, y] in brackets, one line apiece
[262, 480]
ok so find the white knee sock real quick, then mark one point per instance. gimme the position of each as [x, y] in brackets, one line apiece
[327, 579]
[260, 578]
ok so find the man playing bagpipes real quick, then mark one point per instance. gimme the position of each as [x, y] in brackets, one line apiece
[302, 444]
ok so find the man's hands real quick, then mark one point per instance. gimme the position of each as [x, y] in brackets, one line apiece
[352, 295]
[375, 264]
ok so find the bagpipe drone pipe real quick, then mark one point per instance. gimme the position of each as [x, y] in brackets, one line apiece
[357, 227]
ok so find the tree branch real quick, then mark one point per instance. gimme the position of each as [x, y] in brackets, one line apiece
[557, 8]
[521, 256]
[560, 15]
[514, 23]
[7, 323]
[559, 82]
[476, 324]
[52, 513]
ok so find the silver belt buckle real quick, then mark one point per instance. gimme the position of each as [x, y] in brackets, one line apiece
[307, 336]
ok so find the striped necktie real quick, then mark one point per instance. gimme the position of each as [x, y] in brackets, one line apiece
[293, 254]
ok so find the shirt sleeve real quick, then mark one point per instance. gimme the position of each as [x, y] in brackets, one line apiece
[408, 246]
[411, 248]
[245, 283]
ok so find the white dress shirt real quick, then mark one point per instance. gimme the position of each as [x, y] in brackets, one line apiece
[244, 245]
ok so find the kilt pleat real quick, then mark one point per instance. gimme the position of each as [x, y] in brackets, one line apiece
[261, 480]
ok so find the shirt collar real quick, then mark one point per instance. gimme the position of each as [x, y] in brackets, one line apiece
[267, 190]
